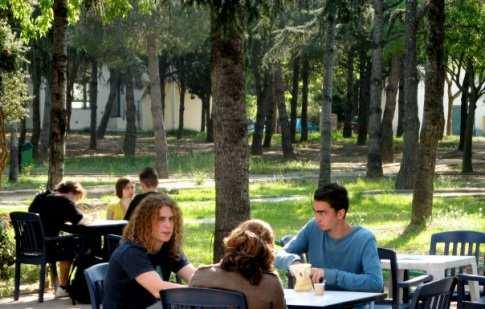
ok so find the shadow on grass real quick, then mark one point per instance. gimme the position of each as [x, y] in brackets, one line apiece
[411, 232]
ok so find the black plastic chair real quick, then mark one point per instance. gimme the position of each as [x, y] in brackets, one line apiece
[30, 248]
[433, 295]
[459, 243]
[464, 301]
[396, 285]
[112, 242]
[94, 278]
[202, 298]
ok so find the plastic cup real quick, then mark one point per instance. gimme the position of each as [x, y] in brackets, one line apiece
[319, 288]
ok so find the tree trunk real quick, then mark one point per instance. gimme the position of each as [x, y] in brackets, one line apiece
[467, 166]
[3, 143]
[464, 106]
[230, 127]
[305, 76]
[374, 159]
[73, 63]
[163, 66]
[270, 115]
[21, 141]
[36, 81]
[347, 130]
[210, 122]
[93, 103]
[260, 85]
[364, 94]
[279, 95]
[294, 98]
[326, 107]
[114, 84]
[161, 147]
[451, 99]
[180, 131]
[129, 144]
[203, 115]
[401, 107]
[13, 174]
[387, 150]
[433, 121]
[407, 171]
[46, 122]
[58, 110]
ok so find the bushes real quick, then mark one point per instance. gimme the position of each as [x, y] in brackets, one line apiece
[7, 249]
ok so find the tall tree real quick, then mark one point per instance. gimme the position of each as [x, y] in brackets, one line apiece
[129, 143]
[228, 23]
[294, 97]
[278, 95]
[114, 85]
[400, 102]
[364, 90]
[93, 103]
[14, 153]
[305, 76]
[451, 98]
[35, 73]
[347, 129]
[374, 159]
[327, 88]
[58, 108]
[433, 121]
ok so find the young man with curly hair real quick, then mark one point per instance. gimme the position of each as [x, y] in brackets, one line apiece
[152, 239]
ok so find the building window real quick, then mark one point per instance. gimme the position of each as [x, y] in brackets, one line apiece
[80, 96]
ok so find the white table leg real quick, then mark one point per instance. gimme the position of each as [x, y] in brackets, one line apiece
[474, 290]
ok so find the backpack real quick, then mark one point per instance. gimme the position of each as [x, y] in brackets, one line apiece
[77, 286]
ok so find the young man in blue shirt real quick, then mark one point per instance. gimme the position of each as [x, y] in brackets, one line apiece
[343, 255]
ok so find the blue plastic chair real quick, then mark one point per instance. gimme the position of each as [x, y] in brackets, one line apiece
[434, 295]
[31, 248]
[94, 278]
[464, 299]
[202, 298]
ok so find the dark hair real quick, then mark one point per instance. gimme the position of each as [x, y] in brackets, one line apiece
[120, 185]
[334, 194]
[249, 250]
[71, 187]
[149, 177]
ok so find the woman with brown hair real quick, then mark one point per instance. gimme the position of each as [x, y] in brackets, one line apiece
[125, 190]
[152, 239]
[247, 266]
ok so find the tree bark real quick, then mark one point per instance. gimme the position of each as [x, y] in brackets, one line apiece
[114, 84]
[13, 174]
[387, 150]
[129, 144]
[401, 107]
[305, 76]
[464, 106]
[374, 159]
[407, 171]
[451, 99]
[58, 110]
[180, 131]
[163, 66]
[73, 63]
[46, 122]
[93, 103]
[279, 95]
[347, 130]
[270, 115]
[364, 94]
[467, 166]
[21, 141]
[161, 147]
[294, 97]
[230, 127]
[433, 121]
[209, 138]
[261, 85]
[36, 81]
[327, 88]
[3, 143]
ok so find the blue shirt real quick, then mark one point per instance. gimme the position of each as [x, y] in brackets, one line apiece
[350, 263]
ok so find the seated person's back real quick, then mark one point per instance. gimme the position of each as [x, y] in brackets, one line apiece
[246, 267]
[148, 184]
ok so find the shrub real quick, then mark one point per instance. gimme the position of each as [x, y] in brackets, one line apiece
[7, 249]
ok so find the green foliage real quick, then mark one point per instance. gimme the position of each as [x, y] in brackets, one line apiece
[7, 250]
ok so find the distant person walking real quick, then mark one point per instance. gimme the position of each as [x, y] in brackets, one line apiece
[125, 190]
[148, 184]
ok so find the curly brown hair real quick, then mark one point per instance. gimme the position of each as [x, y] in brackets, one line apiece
[249, 250]
[139, 228]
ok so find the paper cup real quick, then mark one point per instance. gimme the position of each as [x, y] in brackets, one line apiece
[319, 288]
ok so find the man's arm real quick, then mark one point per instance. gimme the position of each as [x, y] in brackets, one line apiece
[292, 250]
[369, 281]
[152, 282]
[186, 272]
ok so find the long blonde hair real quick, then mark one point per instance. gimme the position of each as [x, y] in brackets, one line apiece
[139, 229]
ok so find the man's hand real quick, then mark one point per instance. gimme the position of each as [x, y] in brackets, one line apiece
[317, 274]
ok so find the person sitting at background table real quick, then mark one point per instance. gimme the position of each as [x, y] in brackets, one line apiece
[148, 184]
[125, 190]
[152, 239]
[247, 266]
[342, 254]
[56, 208]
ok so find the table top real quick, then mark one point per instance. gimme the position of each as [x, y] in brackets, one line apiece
[101, 225]
[405, 261]
[329, 299]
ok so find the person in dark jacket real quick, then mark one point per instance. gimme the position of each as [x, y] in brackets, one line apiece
[149, 184]
[56, 208]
